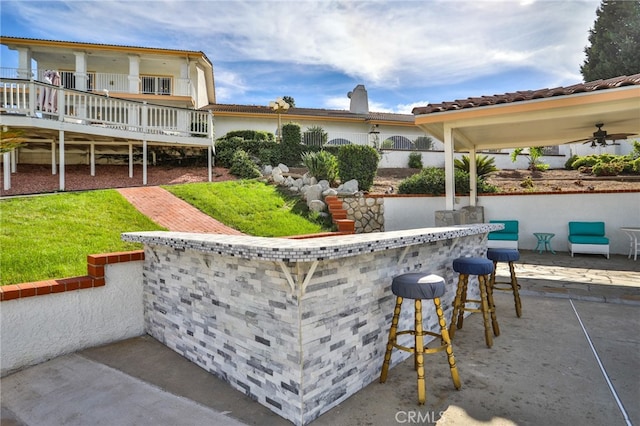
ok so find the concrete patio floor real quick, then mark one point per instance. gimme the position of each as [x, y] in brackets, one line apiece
[573, 358]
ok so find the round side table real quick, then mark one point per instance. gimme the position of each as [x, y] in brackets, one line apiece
[544, 241]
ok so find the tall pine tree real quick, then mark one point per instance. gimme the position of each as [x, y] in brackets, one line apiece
[614, 41]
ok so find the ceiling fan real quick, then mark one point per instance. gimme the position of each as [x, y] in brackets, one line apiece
[600, 137]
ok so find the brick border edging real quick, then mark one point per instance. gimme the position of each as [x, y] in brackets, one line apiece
[94, 277]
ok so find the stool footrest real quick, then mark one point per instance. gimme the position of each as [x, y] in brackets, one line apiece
[425, 350]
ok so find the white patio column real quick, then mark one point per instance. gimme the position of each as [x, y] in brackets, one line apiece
[473, 178]
[81, 71]
[209, 163]
[6, 168]
[92, 150]
[449, 176]
[61, 160]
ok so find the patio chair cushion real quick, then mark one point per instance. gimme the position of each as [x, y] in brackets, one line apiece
[509, 233]
[586, 228]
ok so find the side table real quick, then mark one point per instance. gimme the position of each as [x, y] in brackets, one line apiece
[544, 241]
[634, 240]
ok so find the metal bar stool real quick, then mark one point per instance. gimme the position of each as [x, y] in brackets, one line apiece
[419, 286]
[506, 255]
[481, 267]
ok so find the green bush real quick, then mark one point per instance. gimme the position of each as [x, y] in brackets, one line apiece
[568, 165]
[243, 167]
[315, 136]
[635, 165]
[607, 168]
[321, 165]
[585, 161]
[291, 147]
[358, 162]
[423, 143]
[266, 151]
[431, 180]
[415, 160]
[254, 135]
[484, 164]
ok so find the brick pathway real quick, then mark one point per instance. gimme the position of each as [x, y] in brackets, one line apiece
[169, 211]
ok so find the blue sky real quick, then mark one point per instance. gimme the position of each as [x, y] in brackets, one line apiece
[406, 53]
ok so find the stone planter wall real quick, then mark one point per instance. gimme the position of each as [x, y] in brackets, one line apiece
[366, 211]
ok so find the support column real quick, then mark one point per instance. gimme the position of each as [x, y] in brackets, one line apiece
[24, 63]
[81, 71]
[130, 160]
[209, 163]
[14, 161]
[92, 148]
[54, 169]
[61, 161]
[144, 161]
[6, 169]
[450, 189]
[473, 177]
[134, 74]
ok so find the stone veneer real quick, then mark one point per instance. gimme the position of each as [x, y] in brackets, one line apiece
[297, 325]
[366, 211]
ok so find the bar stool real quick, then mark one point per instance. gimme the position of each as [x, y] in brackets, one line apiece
[506, 255]
[481, 267]
[419, 286]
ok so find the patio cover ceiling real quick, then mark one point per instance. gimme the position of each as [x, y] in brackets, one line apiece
[536, 118]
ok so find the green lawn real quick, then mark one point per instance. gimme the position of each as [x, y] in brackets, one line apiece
[50, 236]
[251, 207]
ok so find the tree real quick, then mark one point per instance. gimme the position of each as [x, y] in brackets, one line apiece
[290, 101]
[614, 41]
[535, 152]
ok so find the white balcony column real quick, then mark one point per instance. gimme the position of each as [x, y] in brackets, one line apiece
[144, 161]
[6, 168]
[81, 71]
[130, 160]
[14, 161]
[61, 161]
[92, 151]
[134, 74]
[24, 63]
[54, 169]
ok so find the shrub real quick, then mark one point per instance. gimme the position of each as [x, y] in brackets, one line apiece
[484, 164]
[415, 160]
[568, 165]
[431, 180]
[243, 167]
[358, 162]
[321, 165]
[635, 165]
[254, 135]
[266, 151]
[611, 168]
[291, 148]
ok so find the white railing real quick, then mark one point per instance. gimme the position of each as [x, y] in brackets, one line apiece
[46, 101]
[111, 82]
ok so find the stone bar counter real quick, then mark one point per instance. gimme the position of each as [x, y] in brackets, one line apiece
[297, 325]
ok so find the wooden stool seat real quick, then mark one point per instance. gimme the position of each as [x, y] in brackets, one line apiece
[510, 256]
[419, 286]
[482, 267]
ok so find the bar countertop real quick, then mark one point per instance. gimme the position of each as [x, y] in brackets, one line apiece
[305, 250]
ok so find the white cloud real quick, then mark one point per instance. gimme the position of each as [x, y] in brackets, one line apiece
[383, 44]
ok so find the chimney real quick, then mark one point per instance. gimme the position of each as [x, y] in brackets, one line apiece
[359, 100]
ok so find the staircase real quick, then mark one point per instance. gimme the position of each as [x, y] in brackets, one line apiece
[339, 215]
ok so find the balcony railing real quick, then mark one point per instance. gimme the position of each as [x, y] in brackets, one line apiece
[46, 101]
[110, 82]
[383, 141]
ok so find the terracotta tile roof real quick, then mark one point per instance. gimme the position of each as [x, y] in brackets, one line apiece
[312, 112]
[528, 95]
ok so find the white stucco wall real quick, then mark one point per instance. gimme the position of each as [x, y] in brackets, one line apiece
[536, 213]
[35, 329]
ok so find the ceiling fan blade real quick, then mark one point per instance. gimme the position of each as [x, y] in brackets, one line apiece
[583, 140]
[619, 136]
